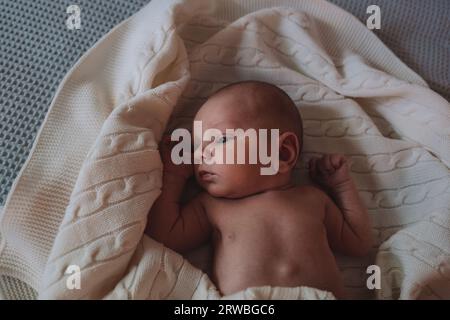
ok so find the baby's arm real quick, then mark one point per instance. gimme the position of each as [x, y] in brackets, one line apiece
[181, 228]
[346, 218]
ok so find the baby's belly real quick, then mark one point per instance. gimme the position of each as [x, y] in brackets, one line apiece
[242, 264]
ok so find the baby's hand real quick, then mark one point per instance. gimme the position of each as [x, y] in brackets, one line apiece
[180, 170]
[330, 171]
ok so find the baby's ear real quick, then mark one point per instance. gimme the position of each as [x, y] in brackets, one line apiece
[289, 148]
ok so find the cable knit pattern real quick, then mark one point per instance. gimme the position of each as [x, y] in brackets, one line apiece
[95, 171]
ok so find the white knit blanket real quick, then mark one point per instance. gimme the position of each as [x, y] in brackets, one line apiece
[94, 171]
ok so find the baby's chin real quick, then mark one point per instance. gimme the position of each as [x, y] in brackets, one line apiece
[218, 191]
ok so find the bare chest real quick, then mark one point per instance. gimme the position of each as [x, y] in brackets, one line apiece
[265, 218]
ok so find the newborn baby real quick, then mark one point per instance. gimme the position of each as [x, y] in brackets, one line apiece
[265, 230]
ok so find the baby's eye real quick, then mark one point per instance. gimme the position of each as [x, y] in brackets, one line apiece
[223, 139]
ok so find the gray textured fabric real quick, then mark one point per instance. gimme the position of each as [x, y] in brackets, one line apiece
[37, 50]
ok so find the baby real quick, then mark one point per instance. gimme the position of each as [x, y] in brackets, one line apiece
[265, 230]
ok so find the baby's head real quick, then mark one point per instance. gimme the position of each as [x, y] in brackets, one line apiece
[248, 105]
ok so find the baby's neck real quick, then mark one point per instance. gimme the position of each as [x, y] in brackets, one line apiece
[284, 185]
[280, 186]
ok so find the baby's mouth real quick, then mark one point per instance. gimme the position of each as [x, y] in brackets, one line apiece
[206, 176]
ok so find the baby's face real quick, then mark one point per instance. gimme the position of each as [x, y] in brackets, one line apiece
[229, 180]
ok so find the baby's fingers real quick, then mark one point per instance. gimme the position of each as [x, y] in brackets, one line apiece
[337, 160]
[325, 165]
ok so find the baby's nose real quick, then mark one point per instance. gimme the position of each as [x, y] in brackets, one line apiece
[201, 154]
[208, 153]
